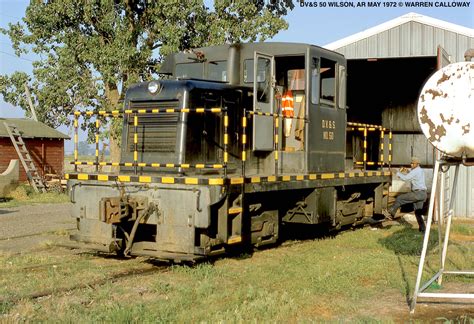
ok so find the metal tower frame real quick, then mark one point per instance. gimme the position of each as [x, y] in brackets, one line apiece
[420, 292]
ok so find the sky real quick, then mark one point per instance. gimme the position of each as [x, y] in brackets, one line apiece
[312, 25]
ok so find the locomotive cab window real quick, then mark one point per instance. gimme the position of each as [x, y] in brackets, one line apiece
[342, 87]
[217, 71]
[296, 80]
[248, 71]
[315, 81]
[328, 83]
[190, 70]
[263, 79]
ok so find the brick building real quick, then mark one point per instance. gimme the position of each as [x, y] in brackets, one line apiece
[45, 144]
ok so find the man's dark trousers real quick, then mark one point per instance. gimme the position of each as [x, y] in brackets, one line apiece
[413, 197]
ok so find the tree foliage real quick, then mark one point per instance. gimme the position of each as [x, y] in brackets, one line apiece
[91, 51]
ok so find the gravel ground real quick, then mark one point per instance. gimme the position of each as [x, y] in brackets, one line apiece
[30, 227]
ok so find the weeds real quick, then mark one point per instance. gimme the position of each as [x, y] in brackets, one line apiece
[350, 277]
[25, 195]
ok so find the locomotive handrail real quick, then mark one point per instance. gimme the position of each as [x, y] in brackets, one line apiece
[116, 113]
[153, 165]
[135, 112]
[365, 125]
[276, 118]
[259, 113]
[370, 127]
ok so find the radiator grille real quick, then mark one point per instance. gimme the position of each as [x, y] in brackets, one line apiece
[156, 132]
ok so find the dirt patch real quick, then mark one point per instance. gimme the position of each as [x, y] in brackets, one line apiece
[397, 307]
[33, 227]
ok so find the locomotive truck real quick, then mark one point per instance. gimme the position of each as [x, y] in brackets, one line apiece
[210, 161]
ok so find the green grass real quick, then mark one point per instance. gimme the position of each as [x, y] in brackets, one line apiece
[351, 277]
[25, 195]
[464, 229]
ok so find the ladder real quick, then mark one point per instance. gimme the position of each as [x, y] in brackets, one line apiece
[32, 173]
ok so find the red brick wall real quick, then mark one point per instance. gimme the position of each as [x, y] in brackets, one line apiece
[48, 155]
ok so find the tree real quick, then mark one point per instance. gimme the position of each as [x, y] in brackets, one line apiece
[84, 148]
[91, 51]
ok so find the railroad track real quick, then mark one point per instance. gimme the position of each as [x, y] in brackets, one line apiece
[92, 284]
[149, 270]
[35, 234]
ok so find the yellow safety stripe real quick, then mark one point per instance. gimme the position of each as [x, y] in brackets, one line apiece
[222, 181]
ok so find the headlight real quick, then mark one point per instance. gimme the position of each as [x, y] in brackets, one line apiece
[153, 87]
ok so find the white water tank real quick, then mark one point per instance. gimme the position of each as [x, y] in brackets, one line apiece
[446, 109]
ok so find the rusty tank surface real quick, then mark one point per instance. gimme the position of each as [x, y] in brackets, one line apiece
[446, 109]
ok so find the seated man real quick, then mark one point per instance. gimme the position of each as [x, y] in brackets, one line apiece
[417, 196]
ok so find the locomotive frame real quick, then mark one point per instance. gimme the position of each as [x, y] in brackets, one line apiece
[206, 165]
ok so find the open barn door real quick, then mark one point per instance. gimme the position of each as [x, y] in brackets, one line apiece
[263, 101]
[443, 58]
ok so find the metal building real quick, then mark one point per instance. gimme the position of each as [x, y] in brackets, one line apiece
[387, 67]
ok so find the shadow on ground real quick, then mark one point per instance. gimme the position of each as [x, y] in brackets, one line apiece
[408, 240]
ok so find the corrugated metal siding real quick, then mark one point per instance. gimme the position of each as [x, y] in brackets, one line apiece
[450, 45]
[417, 39]
[361, 48]
[383, 43]
[394, 49]
[410, 39]
[463, 44]
[372, 44]
[464, 200]
[405, 44]
[428, 40]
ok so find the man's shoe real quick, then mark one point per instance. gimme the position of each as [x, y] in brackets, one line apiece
[387, 214]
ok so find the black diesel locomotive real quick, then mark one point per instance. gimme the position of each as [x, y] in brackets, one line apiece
[233, 142]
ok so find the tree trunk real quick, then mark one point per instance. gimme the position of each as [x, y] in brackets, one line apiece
[115, 129]
[114, 151]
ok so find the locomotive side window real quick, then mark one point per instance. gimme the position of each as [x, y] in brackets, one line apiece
[315, 81]
[342, 87]
[217, 71]
[190, 70]
[263, 79]
[328, 82]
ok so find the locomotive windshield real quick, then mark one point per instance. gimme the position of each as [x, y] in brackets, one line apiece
[214, 70]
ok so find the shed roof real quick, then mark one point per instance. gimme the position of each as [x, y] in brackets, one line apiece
[412, 16]
[31, 129]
